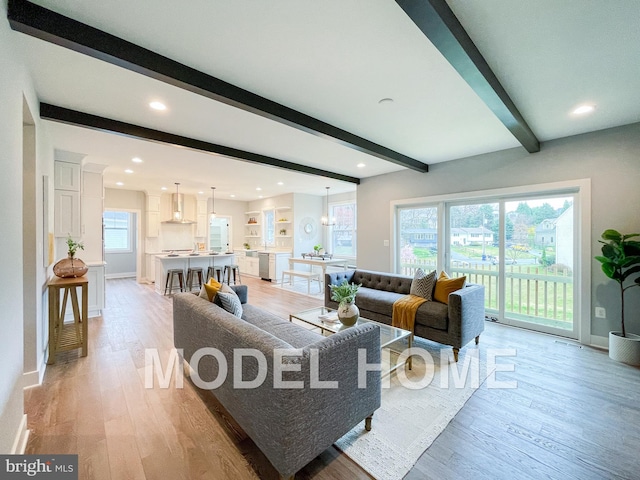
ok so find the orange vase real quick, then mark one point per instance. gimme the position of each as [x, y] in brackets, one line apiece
[70, 267]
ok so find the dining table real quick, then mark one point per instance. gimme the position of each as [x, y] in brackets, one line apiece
[322, 262]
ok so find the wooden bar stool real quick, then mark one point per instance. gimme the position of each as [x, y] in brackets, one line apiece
[168, 284]
[192, 272]
[214, 272]
[227, 274]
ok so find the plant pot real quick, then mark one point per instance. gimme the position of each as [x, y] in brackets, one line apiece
[348, 313]
[624, 349]
[70, 267]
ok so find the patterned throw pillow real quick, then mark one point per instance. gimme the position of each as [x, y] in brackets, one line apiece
[423, 283]
[446, 285]
[231, 303]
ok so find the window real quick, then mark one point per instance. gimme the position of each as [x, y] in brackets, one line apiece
[269, 229]
[343, 234]
[418, 239]
[117, 231]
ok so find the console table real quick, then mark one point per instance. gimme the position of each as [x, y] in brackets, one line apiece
[67, 336]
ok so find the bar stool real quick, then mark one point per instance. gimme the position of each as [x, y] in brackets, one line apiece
[227, 274]
[191, 272]
[168, 284]
[214, 272]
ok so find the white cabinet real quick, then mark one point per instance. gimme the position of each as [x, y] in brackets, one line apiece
[278, 262]
[247, 263]
[95, 295]
[153, 224]
[67, 176]
[202, 225]
[153, 203]
[67, 213]
[151, 267]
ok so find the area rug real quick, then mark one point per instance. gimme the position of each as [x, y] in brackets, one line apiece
[409, 420]
[300, 287]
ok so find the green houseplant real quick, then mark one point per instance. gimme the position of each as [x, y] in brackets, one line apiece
[345, 295]
[620, 261]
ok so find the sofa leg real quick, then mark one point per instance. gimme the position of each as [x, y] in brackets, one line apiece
[367, 423]
[455, 354]
[478, 339]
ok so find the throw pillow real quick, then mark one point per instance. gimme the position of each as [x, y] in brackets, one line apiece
[423, 283]
[231, 303]
[209, 290]
[446, 285]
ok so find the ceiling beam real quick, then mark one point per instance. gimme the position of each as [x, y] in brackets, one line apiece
[440, 25]
[94, 122]
[45, 24]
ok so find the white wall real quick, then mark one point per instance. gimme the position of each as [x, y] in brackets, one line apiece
[609, 158]
[15, 85]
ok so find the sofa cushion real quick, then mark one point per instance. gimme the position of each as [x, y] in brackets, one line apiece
[209, 290]
[295, 335]
[433, 314]
[388, 282]
[446, 285]
[378, 301]
[423, 284]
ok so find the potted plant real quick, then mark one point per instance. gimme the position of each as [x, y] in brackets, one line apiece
[621, 262]
[71, 266]
[345, 295]
[318, 249]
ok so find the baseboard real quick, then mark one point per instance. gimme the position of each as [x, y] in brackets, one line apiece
[35, 377]
[110, 276]
[599, 342]
[22, 437]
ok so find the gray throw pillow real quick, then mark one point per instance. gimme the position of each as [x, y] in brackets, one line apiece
[423, 283]
[231, 303]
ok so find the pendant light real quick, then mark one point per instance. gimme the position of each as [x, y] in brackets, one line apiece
[213, 202]
[326, 221]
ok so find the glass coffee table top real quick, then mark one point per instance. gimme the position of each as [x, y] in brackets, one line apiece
[388, 334]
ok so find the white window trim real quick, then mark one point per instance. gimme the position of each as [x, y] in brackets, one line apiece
[355, 227]
[131, 241]
[582, 256]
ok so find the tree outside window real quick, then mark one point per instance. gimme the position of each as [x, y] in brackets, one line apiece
[343, 233]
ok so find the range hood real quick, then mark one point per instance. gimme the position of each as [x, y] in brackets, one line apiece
[177, 209]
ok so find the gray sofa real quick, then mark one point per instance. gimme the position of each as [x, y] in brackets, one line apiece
[455, 324]
[291, 426]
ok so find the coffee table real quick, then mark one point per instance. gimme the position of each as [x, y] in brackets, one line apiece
[388, 335]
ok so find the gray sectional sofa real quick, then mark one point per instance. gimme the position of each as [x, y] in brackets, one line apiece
[455, 324]
[290, 425]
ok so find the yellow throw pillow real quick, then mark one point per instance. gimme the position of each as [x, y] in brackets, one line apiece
[212, 288]
[446, 285]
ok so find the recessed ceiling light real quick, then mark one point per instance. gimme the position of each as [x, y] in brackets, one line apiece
[200, 193]
[163, 188]
[361, 165]
[232, 195]
[385, 101]
[280, 183]
[158, 106]
[258, 189]
[136, 160]
[582, 109]
[119, 184]
[128, 170]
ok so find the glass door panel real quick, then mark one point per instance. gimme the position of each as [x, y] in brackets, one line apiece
[539, 264]
[474, 248]
[418, 239]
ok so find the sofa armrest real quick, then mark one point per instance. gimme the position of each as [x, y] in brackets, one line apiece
[335, 278]
[466, 314]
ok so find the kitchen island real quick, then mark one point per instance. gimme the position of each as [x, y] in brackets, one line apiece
[186, 261]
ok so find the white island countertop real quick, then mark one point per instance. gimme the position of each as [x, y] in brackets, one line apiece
[193, 255]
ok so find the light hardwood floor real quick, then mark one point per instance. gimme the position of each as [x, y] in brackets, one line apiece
[575, 413]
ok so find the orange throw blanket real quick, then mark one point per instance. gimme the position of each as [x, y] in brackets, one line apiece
[404, 311]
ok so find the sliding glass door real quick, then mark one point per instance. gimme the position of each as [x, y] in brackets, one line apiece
[521, 248]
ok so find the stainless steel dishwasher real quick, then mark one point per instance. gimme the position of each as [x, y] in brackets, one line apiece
[263, 265]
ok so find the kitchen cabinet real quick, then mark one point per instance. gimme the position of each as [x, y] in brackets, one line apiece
[201, 225]
[67, 213]
[153, 224]
[247, 261]
[95, 294]
[153, 203]
[66, 176]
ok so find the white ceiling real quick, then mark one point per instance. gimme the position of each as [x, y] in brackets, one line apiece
[335, 60]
